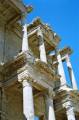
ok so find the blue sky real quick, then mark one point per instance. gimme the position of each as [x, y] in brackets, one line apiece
[63, 16]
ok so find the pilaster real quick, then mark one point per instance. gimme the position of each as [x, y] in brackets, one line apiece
[3, 104]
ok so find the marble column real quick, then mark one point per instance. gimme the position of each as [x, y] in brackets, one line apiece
[70, 111]
[61, 70]
[25, 46]
[28, 106]
[50, 107]
[71, 73]
[41, 46]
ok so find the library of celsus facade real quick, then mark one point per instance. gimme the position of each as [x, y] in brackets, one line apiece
[33, 81]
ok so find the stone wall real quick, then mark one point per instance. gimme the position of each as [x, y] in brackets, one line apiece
[14, 110]
[10, 43]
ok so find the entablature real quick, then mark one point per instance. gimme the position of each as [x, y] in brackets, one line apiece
[63, 52]
[63, 97]
[37, 70]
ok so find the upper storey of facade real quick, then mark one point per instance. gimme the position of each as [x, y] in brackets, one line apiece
[12, 12]
[38, 29]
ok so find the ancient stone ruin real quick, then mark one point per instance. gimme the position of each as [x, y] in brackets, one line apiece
[32, 74]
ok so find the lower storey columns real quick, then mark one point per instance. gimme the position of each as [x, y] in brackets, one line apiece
[50, 108]
[28, 106]
[70, 111]
[70, 114]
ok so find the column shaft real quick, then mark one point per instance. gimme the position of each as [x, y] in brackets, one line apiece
[50, 109]
[25, 46]
[71, 73]
[70, 114]
[42, 47]
[70, 111]
[28, 106]
[61, 70]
